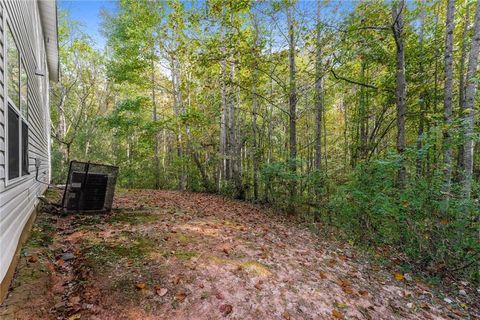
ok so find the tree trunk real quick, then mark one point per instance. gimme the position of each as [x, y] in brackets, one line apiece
[435, 86]
[401, 86]
[178, 109]
[155, 135]
[61, 130]
[363, 114]
[223, 120]
[461, 83]
[233, 136]
[447, 102]
[292, 101]
[422, 97]
[469, 113]
[255, 151]
[318, 94]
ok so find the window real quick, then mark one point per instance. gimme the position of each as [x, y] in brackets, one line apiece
[13, 70]
[24, 148]
[17, 125]
[13, 143]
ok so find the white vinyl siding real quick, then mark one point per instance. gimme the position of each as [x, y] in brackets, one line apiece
[19, 198]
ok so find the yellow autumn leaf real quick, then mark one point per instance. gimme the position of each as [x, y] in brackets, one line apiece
[398, 276]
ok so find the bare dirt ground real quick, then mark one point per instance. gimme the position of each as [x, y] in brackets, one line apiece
[172, 255]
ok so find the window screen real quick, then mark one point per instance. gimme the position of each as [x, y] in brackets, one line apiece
[13, 144]
[24, 149]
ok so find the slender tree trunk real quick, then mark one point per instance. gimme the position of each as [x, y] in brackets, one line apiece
[318, 94]
[461, 82]
[447, 102]
[422, 97]
[155, 135]
[223, 121]
[270, 115]
[177, 106]
[61, 130]
[401, 86]
[363, 114]
[345, 135]
[255, 151]
[436, 72]
[469, 113]
[231, 118]
[325, 153]
[234, 148]
[292, 101]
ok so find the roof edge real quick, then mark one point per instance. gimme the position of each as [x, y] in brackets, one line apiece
[49, 21]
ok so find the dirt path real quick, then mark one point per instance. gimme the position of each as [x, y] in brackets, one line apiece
[171, 255]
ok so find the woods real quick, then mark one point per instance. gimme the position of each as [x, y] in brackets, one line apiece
[361, 118]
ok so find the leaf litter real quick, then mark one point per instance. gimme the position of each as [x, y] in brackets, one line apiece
[173, 255]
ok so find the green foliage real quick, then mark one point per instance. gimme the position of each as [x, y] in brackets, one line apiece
[276, 177]
[173, 72]
[371, 210]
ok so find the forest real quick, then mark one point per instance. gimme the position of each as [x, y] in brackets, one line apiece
[358, 118]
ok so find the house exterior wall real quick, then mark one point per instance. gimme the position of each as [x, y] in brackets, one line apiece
[19, 197]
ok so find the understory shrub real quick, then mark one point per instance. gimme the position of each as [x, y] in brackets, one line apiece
[371, 210]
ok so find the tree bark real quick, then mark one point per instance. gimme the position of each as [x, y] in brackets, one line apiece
[318, 94]
[178, 109]
[401, 86]
[155, 135]
[461, 82]
[292, 101]
[447, 103]
[255, 151]
[422, 96]
[223, 120]
[469, 113]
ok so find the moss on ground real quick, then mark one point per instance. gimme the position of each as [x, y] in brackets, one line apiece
[135, 248]
[42, 233]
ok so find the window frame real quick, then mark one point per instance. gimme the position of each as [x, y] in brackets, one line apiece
[17, 109]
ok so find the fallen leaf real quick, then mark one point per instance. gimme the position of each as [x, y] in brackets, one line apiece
[75, 316]
[226, 309]
[398, 276]
[258, 285]
[33, 259]
[336, 314]
[161, 292]
[286, 315]
[140, 285]
[341, 305]
[322, 275]
[177, 279]
[363, 292]
[225, 250]
[180, 296]
[347, 289]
